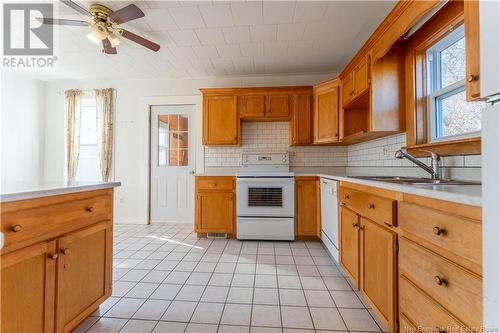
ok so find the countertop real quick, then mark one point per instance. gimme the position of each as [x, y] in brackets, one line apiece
[463, 194]
[14, 191]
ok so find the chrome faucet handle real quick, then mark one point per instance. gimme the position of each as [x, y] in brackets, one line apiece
[434, 156]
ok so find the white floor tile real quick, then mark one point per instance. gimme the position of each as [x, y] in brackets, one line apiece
[296, 317]
[208, 313]
[266, 315]
[179, 311]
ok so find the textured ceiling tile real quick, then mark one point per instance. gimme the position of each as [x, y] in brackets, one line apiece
[229, 50]
[159, 19]
[263, 33]
[217, 15]
[184, 37]
[247, 13]
[210, 36]
[252, 49]
[204, 51]
[294, 31]
[278, 12]
[236, 34]
[187, 17]
[310, 11]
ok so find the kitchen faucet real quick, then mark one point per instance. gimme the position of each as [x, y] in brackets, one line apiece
[435, 168]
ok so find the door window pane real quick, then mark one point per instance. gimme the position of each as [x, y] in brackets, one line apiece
[173, 140]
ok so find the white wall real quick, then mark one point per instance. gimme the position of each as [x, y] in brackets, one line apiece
[131, 128]
[22, 125]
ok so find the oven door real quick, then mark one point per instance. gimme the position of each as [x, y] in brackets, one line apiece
[265, 197]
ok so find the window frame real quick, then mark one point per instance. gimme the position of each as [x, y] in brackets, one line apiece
[437, 92]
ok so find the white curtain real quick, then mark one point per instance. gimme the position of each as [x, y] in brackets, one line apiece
[73, 117]
[105, 102]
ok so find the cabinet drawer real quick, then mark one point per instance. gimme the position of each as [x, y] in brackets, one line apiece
[376, 208]
[456, 234]
[423, 311]
[40, 219]
[215, 183]
[455, 288]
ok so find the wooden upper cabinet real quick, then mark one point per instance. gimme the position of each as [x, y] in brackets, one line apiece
[471, 18]
[301, 121]
[28, 289]
[378, 266]
[349, 243]
[221, 123]
[252, 106]
[361, 78]
[347, 89]
[278, 106]
[84, 273]
[307, 221]
[326, 112]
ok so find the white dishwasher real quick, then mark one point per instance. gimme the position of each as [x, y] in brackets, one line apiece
[330, 217]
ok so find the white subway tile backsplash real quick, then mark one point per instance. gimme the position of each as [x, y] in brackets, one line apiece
[373, 157]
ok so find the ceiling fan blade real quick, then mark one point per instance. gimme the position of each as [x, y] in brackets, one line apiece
[127, 13]
[54, 21]
[107, 48]
[76, 7]
[139, 40]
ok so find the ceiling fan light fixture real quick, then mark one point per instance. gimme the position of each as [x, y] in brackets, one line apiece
[93, 38]
[114, 38]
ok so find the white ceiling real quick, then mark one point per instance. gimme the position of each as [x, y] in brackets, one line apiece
[214, 38]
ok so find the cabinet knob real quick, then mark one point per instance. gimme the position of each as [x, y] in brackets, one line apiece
[361, 227]
[438, 231]
[15, 228]
[89, 209]
[215, 184]
[439, 280]
[371, 206]
[440, 329]
[53, 256]
[65, 251]
[471, 78]
[355, 225]
[346, 196]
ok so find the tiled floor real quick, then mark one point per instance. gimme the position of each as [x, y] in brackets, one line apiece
[168, 280]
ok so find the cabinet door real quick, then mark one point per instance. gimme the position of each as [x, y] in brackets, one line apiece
[83, 274]
[252, 106]
[278, 106]
[349, 243]
[215, 212]
[307, 206]
[360, 76]
[28, 289]
[326, 116]
[471, 17]
[301, 125]
[221, 124]
[347, 89]
[378, 269]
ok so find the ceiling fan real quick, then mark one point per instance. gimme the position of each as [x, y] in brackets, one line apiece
[104, 26]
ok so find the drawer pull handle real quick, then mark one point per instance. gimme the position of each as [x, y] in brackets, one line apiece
[65, 251]
[438, 231]
[371, 206]
[53, 256]
[89, 209]
[346, 196]
[439, 280]
[15, 228]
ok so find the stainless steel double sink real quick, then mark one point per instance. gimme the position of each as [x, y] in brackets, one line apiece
[416, 180]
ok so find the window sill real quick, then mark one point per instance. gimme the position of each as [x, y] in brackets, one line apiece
[469, 146]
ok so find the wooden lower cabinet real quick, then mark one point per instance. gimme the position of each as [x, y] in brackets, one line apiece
[215, 205]
[62, 273]
[349, 243]
[83, 280]
[28, 289]
[378, 260]
[307, 210]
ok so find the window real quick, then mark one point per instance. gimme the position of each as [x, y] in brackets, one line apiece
[88, 160]
[450, 115]
[173, 140]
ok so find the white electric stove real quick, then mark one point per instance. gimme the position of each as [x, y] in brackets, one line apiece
[265, 197]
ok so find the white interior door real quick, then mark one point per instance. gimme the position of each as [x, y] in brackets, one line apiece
[172, 163]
